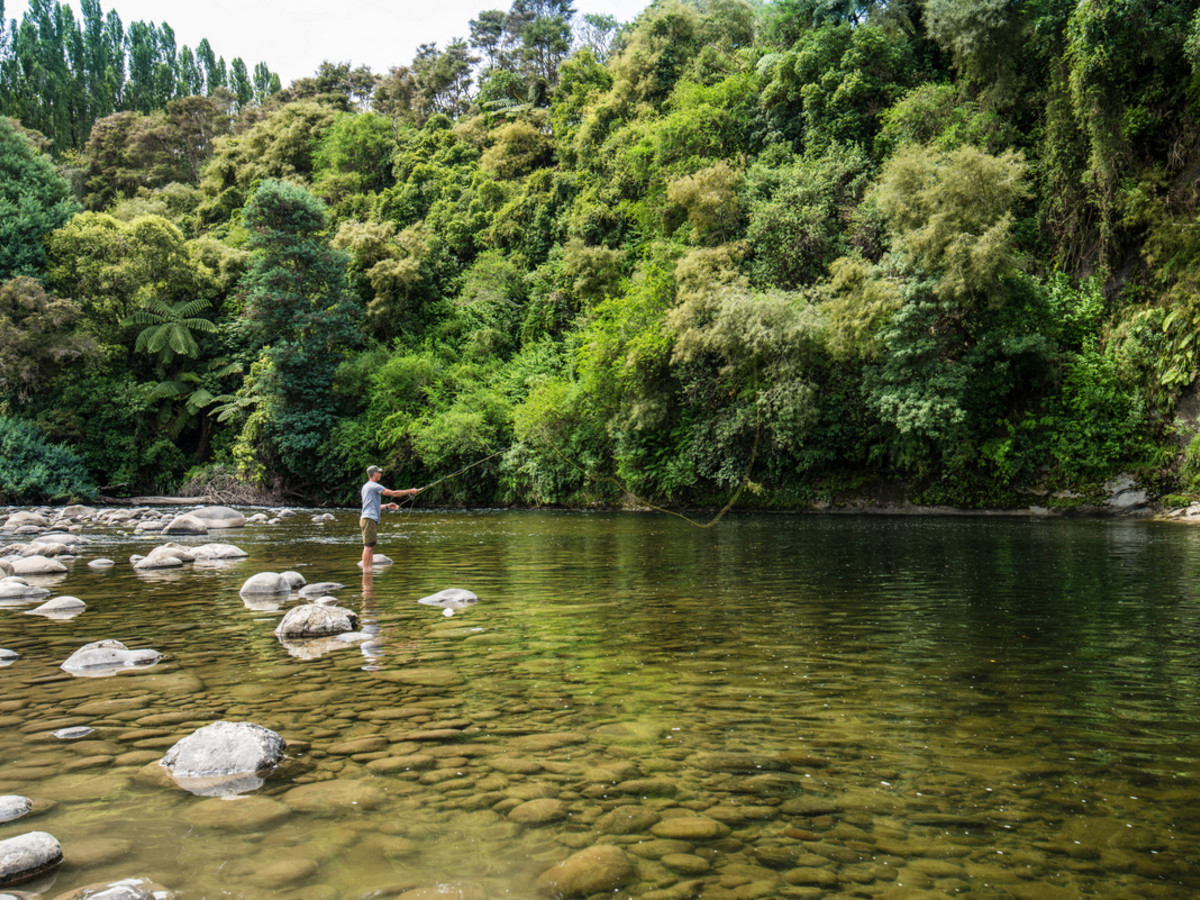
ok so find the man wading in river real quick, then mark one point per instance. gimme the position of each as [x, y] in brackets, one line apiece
[372, 507]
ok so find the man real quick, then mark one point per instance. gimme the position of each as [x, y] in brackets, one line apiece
[372, 507]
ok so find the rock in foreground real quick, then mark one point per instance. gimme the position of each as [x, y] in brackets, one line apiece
[224, 758]
[27, 856]
[596, 870]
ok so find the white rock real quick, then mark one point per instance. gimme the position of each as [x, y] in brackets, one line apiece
[185, 524]
[37, 565]
[312, 620]
[101, 563]
[224, 758]
[294, 579]
[27, 856]
[218, 551]
[219, 517]
[266, 583]
[101, 658]
[59, 608]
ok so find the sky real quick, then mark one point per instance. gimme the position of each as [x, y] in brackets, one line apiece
[293, 37]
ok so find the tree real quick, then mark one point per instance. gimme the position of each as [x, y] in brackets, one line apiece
[300, 315]
[34, 200]
[239, 82]
[37, 337]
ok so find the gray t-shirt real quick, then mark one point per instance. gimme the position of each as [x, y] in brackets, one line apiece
[372, 500]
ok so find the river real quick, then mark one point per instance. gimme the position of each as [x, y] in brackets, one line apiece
[788, 706]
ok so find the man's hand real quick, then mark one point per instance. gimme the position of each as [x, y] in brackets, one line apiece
[392, 506]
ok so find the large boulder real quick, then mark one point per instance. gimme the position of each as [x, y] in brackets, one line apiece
[47, 548]
[313, 620]
[266, 583]
[37, 565]
[185, 524]
[27, 856]
[294, 579]
[219, 517]
[59, 608]
[5, 568]
[108, 657]
[224, 758]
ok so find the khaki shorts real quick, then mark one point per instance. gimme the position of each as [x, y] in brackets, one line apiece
[370, 531]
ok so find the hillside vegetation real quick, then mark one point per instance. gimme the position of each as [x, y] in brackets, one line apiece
[940, 250]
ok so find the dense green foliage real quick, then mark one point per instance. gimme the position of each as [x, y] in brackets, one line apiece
[940, 249]
[33, 468]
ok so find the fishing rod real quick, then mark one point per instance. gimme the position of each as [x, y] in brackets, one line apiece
[478, 462]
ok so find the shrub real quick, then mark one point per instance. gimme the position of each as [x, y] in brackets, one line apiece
[34, 469]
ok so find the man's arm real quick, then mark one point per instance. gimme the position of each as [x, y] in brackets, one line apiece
[409, 492]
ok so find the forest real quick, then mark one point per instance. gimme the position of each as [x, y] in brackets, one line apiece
[797, 252]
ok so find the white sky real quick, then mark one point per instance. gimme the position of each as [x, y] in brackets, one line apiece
[293, 37]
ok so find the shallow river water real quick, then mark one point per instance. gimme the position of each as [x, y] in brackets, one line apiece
[780, 706]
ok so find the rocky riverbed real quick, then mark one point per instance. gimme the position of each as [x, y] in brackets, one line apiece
[595, 748]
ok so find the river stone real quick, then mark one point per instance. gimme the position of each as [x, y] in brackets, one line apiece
[550, 741]
[8, 657]
[19, 519]
[451, 599]
[101, 563]
[242, 814]
[27, 856]
[649, 787]
[37, 565]
[218, 551]
[224, 758]
[810, 875]
[457, 890]
[294, 579]
[219, 517]
[5, 568]
[185, 524]
[685, 863]
[596, 870]
[335, 797]
[313, 620]
[14, 588]
[127, 889]
[106, 657]
[538, 812]
[421, 676]
[320, 588]
[72, 734]
[13, 806]
[266, 583]
[627, 820]
[690, 828]
[59, 608]
[47, 548]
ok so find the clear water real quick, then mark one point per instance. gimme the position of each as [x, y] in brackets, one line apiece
[870, 707]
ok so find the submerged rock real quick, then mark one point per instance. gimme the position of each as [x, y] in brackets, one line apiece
[314, 620]
[127, 889]
[596, 870]
[320, 587]
[27, 856]
[224, 758]
[59, 608]
[450, 600]
[101, 658]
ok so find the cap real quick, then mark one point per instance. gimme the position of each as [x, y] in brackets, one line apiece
[371, 470]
